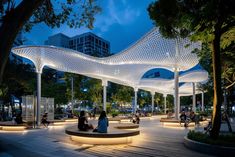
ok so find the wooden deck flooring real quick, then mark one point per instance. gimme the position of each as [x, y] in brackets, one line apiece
[155, 140]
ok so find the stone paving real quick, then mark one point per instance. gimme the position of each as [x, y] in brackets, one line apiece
[155, 140]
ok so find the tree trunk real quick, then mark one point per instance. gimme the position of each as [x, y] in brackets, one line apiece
[216, 117]
[12, 23]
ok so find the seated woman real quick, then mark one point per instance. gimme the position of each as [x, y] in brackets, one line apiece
[83, 122]
[103, 123]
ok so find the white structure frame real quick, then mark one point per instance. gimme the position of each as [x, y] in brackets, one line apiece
[127, 67]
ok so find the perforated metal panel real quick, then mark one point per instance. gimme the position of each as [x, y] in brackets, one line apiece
[126, 67]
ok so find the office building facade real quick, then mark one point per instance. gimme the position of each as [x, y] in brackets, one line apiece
[87, 43]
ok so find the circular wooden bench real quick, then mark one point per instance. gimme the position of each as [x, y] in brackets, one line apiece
[114, 119]
[57, 122]
[114, 135]
[174, 122]
[71, 120]
[126, 126]
[9, 126]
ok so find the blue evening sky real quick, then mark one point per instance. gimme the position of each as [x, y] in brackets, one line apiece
[121, 22]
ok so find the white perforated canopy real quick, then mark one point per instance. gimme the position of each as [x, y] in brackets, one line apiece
[128, 66]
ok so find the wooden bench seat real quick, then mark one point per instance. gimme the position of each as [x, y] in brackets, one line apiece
[113, 136]
[9, 126]
[57, 122]
[169, 120]
[115, 119]
[126, 126]
[175, 123]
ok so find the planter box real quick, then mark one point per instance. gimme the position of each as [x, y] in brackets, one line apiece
[209, 149]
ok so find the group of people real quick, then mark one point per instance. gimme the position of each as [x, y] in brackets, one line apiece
[102, 127]
[188, 117]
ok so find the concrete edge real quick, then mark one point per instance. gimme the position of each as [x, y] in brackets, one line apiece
[209, 149]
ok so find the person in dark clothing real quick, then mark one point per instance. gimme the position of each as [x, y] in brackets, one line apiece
[183, 118]
[83, 122]
[18, 119]
[136, 119]
[44, 120]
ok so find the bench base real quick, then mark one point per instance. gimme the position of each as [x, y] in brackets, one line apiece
[177, 124]
[114, 135]
[93, 140]
[12, 128]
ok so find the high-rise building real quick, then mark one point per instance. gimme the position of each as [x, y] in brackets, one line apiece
[87, 43]
[59, 40]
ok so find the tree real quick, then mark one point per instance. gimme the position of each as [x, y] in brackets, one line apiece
[22, 15]
[18, 83]
[78, 80]
[143, 98]
[121, 94]
[204, 20]
[94, 90]
[51, 88]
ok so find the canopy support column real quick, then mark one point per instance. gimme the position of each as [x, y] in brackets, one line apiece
[104, 84]
[176, 94]
[178, 105]
[38, 108]
[135, 103]
[176, 78]
[72, 95]
[203, 101]
[194, 98]
[165, 95]
[152, 94]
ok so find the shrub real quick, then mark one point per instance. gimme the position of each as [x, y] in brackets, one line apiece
[114, 113]
[223, 139]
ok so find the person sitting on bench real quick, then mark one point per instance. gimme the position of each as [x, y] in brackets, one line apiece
[103, 123]
[83, 122]
[183, 119]
[44, 120]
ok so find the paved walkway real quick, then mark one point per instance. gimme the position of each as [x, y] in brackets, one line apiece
[154, 140]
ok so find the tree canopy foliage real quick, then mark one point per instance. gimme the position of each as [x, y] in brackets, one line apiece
[16, 16]
[209, 21]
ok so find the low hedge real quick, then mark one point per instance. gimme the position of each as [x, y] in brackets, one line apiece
[227, 140]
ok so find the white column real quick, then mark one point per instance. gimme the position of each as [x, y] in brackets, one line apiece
[135, 104]
[178, 105]
[203, 101]
[104, 84]
[176, 94]
[72, 94]
[38, 108]
[176, 78]
[165, 95]
[152, 94]
[194, 98]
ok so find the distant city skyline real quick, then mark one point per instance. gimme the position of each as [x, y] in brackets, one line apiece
[121, 22]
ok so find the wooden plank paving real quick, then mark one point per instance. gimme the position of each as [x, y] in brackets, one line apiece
[154, 141]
